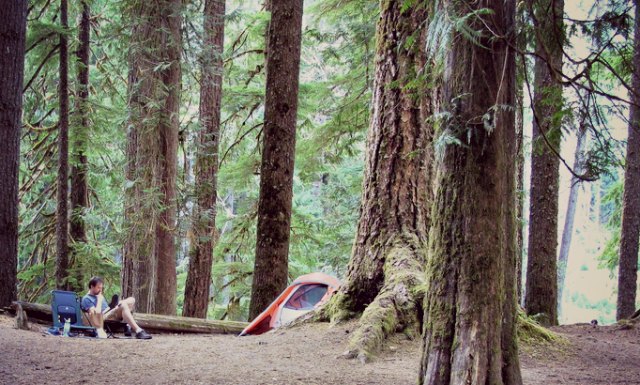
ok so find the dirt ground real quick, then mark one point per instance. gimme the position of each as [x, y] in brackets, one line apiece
[304, 355]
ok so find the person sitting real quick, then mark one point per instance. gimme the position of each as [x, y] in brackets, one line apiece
[94, 304]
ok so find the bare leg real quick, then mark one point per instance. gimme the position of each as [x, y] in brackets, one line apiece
[128, 317]
[97, 321]
[124, 311]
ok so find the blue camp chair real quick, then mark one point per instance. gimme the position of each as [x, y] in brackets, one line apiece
[66, 305]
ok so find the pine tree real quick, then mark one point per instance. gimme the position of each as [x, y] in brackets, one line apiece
[630, 232]
[541, 283]
[574, 189]
[79, 185]
[470, 307]
[13, 20]
[279, 137]
[389, 251]
[196, 293]
[149, 271]
[62, 220]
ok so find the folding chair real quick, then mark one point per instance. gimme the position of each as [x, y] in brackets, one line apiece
[66, 305]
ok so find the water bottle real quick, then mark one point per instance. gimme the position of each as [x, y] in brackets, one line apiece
[67, 327]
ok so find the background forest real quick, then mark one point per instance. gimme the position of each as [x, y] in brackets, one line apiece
[334, 105]
[333, 116]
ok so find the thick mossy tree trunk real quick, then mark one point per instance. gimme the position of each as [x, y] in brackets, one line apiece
[62, 219]
[270, 273]
[470, 306]
[196, 292]
[13, 22]
[389, 252]
[630, 232]
[541, 294]
[79, 184]
[152, 150]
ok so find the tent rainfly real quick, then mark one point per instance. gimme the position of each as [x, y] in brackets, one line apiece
[306, 293]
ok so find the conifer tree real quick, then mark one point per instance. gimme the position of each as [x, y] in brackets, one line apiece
[13, 20]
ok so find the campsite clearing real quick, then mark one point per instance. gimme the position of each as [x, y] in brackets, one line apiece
[303, 355]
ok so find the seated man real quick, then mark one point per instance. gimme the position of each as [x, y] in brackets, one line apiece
[96, 307]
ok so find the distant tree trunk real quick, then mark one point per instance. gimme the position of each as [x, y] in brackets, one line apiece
[567, 232]
[13, 21]
[153, 140]
[520, 195]
[541, 295]
[62, 220]
[196, 293]
[129, 272]
[79, 184]
[630, 232]
[276, 172]
[519, 125]
[469, 331]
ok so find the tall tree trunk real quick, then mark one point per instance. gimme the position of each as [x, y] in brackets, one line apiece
[79, 184]
[471, 299]
[129, 271]
[62, 220]
[196, 293]
[153, 144]
[276, 172]
[389, 251]
[541, 283]
[13, 21]
[567, 232]
[630, 232]
[521, 68]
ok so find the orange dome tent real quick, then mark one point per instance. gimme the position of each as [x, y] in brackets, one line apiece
[306, 293]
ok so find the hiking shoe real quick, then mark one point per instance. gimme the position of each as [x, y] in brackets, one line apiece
[142, 335]
[127, 331]
[114, 301]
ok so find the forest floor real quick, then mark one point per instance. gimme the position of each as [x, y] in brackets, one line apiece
[305, 355]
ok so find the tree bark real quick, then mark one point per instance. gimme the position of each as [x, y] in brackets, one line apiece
[129, 276]
[79, 184]
[196, 293]
[521, 68]
[567, 232]
[630, 231]
[13, 20]
[276, 172]
[541, 283]
[153, 143]
[387, 264]
[469, 331]
[62, 219]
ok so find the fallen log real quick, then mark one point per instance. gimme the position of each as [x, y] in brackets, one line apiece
[38, 312]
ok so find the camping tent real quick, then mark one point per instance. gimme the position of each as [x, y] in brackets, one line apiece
[305, 294]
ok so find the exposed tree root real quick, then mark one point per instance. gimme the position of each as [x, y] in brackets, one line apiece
[531, 332]
[396, 308]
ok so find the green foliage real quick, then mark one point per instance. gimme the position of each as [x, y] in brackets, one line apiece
[613, 199]
[38, 163]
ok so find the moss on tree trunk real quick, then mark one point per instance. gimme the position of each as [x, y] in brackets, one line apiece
[470, 306]
[149, 263]
[385, 272]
